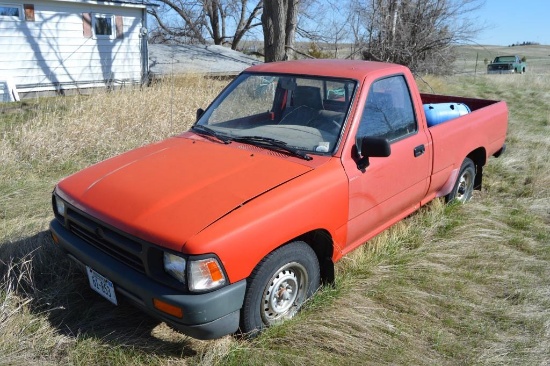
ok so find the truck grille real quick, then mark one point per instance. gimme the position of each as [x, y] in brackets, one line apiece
[500, 67]
[121, 247]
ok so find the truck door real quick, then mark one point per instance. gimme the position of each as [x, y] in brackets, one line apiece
[389, 188]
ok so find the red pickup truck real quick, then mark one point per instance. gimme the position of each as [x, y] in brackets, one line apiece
[233, 224]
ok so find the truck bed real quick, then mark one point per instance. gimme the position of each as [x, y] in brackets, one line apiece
[455, 139]
[472, 103]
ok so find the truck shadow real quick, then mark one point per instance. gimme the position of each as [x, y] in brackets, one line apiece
[36, 270]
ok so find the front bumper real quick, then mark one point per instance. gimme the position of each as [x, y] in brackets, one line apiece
[502, 71]
[205, 316]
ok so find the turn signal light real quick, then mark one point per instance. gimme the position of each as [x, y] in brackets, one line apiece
[168, 308]
[215, 271]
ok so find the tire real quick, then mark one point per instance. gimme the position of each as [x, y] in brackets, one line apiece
[464, 185]
[279, 286]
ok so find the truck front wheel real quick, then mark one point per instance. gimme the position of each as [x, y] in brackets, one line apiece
[279, 286]
[464, 185]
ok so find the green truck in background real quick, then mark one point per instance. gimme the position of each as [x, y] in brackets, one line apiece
[507, 65]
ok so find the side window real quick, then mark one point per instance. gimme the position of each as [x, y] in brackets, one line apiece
[107, 26]
[11, 12]
[103, 25]
[388, 110]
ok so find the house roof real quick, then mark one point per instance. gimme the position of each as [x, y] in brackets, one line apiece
[126, 3]
[201, 59]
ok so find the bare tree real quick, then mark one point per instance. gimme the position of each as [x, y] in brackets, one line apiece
[279, 19]
[326, 24]
[417, 33]
[202, 21]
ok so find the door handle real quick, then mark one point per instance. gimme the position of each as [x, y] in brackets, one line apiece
[419, 150]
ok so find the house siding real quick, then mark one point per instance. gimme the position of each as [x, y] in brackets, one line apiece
[52, 52]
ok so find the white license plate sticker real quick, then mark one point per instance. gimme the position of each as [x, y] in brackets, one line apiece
[102, 285]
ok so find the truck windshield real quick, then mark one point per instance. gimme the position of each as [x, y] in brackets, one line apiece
[302, 113]
[505, 59]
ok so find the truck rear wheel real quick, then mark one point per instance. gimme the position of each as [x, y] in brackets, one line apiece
[464, 185]
[279, 286]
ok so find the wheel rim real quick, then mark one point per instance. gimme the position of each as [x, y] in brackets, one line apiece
[465, 185]
[284, 293]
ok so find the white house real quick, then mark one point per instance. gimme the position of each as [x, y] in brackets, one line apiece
[58, 45]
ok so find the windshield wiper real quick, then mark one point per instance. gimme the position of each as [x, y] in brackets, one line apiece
[207, 131]
[272, 144]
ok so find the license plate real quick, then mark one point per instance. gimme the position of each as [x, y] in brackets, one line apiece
[102, 285]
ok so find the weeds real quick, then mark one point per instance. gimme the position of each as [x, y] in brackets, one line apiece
[451, 284]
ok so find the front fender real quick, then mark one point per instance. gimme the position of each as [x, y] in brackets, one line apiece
[315, 200]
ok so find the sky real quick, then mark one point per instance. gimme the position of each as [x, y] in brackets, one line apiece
[513, 21]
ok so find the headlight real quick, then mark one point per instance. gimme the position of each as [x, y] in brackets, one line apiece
[205, 274]
[175, 266]
[199, 274]
[59, 206]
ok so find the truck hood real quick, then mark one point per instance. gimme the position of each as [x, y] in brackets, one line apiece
[166, 192]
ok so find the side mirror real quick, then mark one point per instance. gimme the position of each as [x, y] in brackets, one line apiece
[200, 112]
[371, 147]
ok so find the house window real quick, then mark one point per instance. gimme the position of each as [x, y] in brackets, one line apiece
[11, 11]
[106, 26]
[103, 26]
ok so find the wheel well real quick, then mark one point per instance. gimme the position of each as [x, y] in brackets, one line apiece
[321, 243]
[479, 157]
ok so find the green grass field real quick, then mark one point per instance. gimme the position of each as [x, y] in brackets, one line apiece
[450, 285]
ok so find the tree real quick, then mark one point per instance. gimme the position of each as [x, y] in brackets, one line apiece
[417, 33]
[420, 34]
[199, 21]
[327, 25]
[279, 19]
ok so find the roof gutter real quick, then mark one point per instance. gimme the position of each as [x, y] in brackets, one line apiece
[129, 4]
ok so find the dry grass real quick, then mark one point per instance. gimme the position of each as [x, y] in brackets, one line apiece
[449, 285]
[40, 142]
